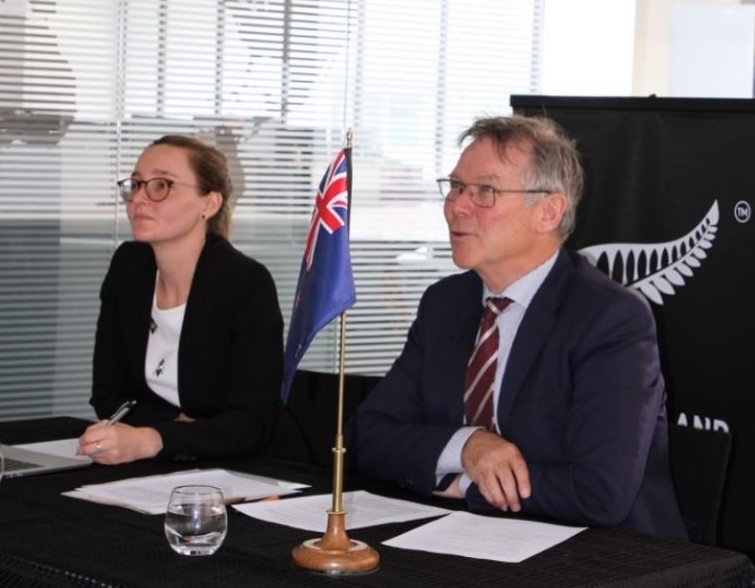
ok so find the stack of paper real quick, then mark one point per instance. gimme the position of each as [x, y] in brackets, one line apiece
[150, 494]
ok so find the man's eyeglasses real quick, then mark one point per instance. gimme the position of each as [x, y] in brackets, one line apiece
[156, 189]
[482, 195]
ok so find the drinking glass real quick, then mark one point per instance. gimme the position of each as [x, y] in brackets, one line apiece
[196, 521]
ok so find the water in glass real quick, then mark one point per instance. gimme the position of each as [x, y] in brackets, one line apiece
[196, 521]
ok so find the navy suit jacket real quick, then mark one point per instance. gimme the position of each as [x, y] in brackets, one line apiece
[582, 397]
[230, 353]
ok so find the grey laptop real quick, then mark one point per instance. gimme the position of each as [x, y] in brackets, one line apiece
[20, 461]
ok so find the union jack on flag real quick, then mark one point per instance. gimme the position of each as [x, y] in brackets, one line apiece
[332, 194]
[326, 282]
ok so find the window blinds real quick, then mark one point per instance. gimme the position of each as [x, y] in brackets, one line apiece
[85, 85]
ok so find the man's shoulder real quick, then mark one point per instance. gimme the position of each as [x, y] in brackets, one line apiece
[592, 284]
[594, 277]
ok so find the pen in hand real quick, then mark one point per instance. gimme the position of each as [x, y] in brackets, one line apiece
[121, 412]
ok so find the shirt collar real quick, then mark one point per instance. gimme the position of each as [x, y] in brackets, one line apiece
[523, 290]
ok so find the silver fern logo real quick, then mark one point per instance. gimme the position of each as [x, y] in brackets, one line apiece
[655, 269]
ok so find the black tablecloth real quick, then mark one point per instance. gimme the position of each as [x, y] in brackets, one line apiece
[50, 540]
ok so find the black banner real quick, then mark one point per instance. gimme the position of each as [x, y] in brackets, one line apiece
[670, 186]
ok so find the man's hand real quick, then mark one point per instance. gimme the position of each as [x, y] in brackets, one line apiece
[498, 468]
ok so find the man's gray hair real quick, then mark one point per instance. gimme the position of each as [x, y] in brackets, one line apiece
[554, 165]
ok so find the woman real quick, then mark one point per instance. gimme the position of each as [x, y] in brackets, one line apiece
[189, 327]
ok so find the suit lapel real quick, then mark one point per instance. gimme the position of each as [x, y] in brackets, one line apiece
[539, 319]
[137, 305]
[196, 314]
[465, 322]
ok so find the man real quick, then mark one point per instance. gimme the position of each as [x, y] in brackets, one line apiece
[570, 422]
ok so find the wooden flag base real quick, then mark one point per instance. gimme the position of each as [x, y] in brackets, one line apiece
[335, 553]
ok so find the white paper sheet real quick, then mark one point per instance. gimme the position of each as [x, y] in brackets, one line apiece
[362, 510]
[481, 537]
[61, 447]
[150, 494]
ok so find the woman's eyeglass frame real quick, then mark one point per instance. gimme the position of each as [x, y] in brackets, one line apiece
[157, 189]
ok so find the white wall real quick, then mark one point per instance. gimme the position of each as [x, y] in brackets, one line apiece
[643, 47]
[588, 47]
[712, 50]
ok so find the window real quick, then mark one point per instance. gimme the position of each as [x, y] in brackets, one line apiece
[85, 85]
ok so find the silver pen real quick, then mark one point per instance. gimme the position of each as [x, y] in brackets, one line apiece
[121, 412]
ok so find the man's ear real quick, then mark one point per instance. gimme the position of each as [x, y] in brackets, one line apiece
[552, 209]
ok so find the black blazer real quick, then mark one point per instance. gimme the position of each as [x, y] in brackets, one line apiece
[582, 397]
[229, 359]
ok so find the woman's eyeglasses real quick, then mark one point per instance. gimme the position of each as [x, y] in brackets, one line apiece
[156, 189]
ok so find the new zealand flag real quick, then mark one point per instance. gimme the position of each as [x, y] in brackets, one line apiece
[326, 282]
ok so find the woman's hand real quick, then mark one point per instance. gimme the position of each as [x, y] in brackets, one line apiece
[119, 443]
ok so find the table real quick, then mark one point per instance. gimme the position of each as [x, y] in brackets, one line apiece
[50, 540]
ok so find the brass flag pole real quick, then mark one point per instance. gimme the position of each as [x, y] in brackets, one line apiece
[335, 553]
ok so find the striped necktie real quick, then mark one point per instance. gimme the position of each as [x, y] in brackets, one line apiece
[480, 375]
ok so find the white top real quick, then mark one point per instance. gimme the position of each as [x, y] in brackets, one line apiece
[161, 363]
